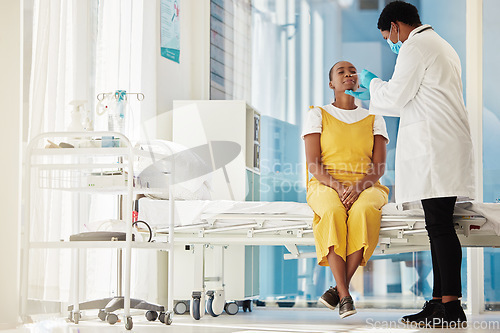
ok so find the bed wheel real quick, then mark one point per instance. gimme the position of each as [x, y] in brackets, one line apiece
[215, 302]
[197, 305]
[181, 307]
[210, 302]
[231, 308]
[195, 313]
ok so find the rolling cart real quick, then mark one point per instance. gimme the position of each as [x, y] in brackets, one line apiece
[87, 163]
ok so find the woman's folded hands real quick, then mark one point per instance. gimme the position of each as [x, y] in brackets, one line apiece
[349, 195]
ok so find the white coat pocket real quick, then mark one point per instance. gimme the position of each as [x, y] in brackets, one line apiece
[413, 141]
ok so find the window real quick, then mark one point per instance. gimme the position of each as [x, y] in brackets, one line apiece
[230, 49]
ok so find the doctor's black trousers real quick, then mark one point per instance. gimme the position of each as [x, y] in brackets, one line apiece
[446, 250]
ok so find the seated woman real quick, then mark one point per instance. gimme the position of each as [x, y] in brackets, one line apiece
[345, 152]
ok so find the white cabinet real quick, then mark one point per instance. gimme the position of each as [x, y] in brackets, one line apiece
[199, 122]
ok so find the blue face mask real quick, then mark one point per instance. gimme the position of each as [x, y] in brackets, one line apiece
[394, 47]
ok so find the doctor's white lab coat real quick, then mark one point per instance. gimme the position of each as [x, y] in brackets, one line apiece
[434, 154]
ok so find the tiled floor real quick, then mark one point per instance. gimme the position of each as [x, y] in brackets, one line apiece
[277, 320]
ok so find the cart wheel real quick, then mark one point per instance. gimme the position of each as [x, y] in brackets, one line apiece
[102, 315]
[180, 308]
[112, 318]
[161, 317]
[128, 323]
[196, 308]
[231, 308]
[168, 318]
[210, 310]
[151, 315]
[76, 317]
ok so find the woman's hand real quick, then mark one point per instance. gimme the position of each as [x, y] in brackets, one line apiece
[340, 190]
[350, 195]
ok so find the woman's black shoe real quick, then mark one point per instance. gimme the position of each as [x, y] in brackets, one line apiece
[330, 298]
[346, 307]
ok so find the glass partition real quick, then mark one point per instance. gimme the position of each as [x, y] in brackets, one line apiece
[294, 44]
[491, 143]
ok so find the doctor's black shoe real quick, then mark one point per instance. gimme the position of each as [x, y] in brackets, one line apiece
[346, 307]
[455, 315]
[330, 298]
[437, 318]
[426, 311]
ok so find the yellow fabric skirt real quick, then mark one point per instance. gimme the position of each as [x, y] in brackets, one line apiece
[347, 231]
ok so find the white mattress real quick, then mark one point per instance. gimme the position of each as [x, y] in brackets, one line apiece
[190, 212]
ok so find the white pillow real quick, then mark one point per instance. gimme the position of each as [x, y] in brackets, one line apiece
[192, 175]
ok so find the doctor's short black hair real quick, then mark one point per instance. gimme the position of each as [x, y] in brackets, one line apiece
[398, 11]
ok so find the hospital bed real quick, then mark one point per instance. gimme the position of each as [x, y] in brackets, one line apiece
[199, 225]
[222, 222]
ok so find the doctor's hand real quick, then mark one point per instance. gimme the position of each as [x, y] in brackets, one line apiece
[350, 196]
[364, 95]
[365, 78]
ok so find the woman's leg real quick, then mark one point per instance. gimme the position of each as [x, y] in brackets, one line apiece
[338, 267]
[353, 262]
[343, 271]
[329, 224]
[363, 225]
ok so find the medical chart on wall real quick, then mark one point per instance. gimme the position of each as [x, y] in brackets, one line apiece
[170, 41]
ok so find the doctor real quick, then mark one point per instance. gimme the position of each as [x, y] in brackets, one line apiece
[434, 159]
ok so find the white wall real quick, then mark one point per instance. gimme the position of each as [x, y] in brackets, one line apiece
[190, 78]
[27, 50]
[10, 150]
[148, 84]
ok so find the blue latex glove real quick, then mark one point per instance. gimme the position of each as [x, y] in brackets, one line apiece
[364, 95]
[365, 78]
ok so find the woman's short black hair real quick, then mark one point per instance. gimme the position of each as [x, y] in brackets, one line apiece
[330, 72]
[398, 11]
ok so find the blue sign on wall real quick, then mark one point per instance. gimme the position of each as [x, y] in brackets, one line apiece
[170, 29]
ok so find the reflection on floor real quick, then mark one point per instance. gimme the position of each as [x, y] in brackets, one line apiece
[276, 320]
[366, 302]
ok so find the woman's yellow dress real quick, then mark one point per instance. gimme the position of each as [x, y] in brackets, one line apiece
[346, 152]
